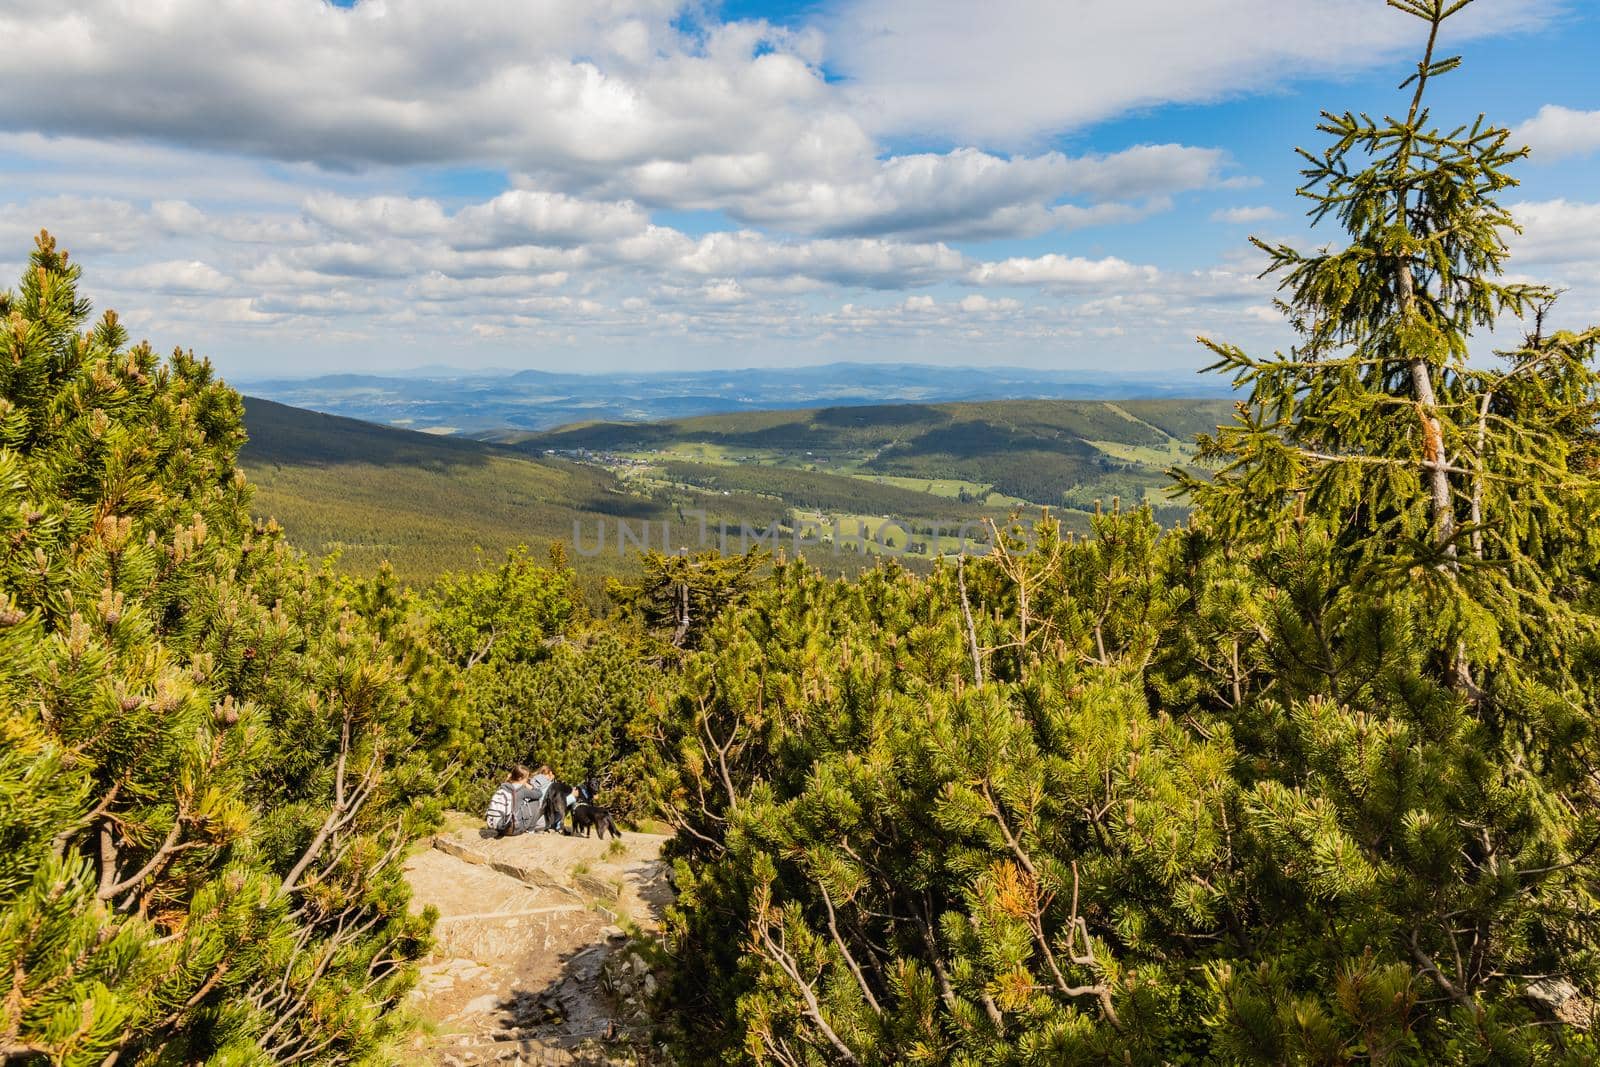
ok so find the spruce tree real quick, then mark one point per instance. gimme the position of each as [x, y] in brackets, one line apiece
[1415, 522]
[678, 595]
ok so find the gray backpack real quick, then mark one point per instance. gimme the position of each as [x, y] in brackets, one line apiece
[514, 809]
[525, 810]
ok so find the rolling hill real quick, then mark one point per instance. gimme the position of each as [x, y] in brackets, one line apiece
[1055, 453]
[427, 502]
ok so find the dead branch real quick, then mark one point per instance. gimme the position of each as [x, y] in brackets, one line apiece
[972, 631]
[811, 1006]
[60, 841]
[109, 888]
[844, 950]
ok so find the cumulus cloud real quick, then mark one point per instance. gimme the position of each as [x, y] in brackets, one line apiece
[179, 276]
[1059, 270]
[866, 262]
[970, 194]
[1559, 245]
[1558, 132]
[526, 216]
[438, 286]
[296, 170]
[394, 216]
[1245, 215]
[623, 100]
[1006, 74]
[96, 224]
[410, 81]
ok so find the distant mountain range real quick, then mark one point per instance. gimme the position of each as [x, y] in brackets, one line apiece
[486, 403]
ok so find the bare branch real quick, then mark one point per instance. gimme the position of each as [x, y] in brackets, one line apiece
[844, 950]
[966, 612]
[811, 1006]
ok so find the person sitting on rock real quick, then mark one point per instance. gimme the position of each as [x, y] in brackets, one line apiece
[550, 809]
[514, 808]
[542, 779]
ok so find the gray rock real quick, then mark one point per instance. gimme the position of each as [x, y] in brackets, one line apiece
[1562, 999]
[482, 1005]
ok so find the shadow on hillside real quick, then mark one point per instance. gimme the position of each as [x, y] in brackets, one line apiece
[875, 415]
[280, 434]
[621, 506]
[600, 436]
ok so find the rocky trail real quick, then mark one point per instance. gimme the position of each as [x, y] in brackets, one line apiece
[536, 960]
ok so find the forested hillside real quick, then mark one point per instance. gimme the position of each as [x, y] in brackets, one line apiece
[426, 503]
[1051, 453]
[1311, 778]
[453, 401]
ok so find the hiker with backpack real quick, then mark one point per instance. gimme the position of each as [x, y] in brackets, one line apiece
[515, 806]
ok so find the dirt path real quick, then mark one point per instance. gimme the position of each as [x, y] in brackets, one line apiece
[534, 963]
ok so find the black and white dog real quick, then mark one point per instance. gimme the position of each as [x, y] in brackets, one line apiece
[561, 800]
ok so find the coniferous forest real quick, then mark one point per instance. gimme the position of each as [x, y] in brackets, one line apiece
[1311, 777]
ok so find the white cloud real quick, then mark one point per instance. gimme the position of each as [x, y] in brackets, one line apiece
[394, 216]
[291, 170]
[437, 286]
[1006, 74]
[1059, 270]
[535, 217]
[866, 262]
[1245, 215]
[412, 81]
[1556, 233]
[1560, 246]
[970, 194]
[974, 303]
[613, 100]
[1557, 132]
[90, 224]
[179, 276]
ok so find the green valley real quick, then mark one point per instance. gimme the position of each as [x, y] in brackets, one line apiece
[429, 503]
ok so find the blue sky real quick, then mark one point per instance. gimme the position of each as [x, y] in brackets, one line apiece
[297, 188]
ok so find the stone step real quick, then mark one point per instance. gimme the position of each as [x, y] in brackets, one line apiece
[491, 916]
[620, 877]
[529, 874]
[532, 1048]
